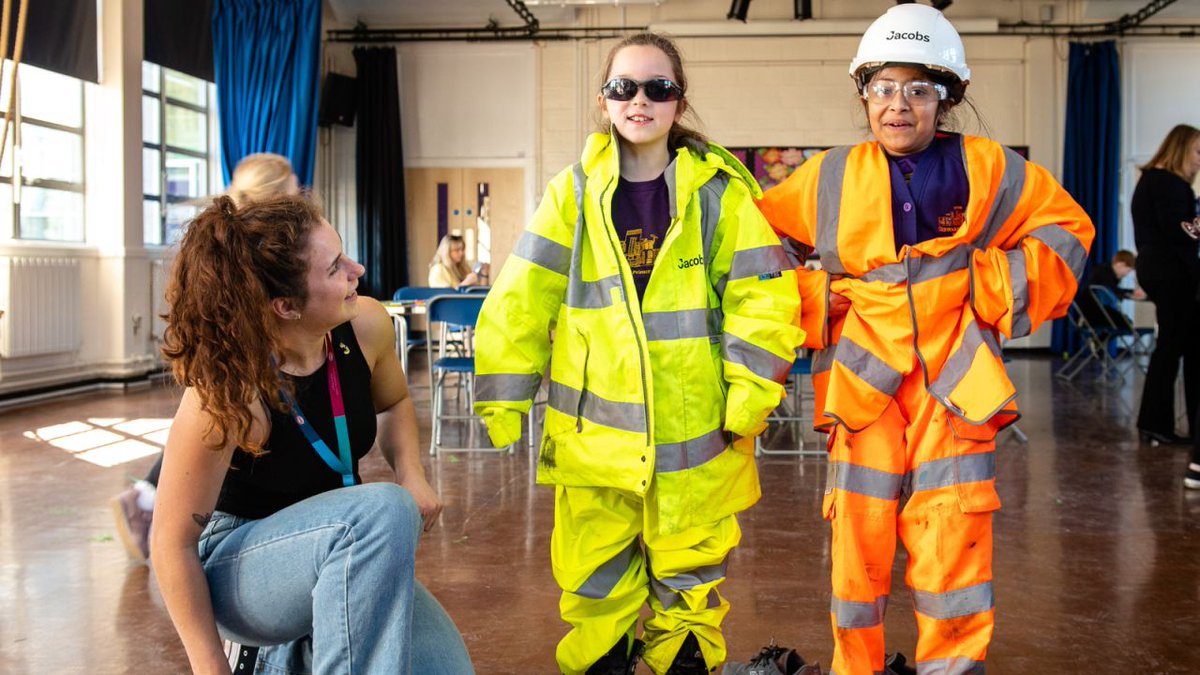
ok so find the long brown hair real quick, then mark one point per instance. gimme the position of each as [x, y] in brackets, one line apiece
[222, 338]
[1172, 154]
[681, 134]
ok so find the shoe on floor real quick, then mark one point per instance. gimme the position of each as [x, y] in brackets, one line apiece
[620, 660]
[896, 664]
[689, 660]
[133, 524]
[1157, 438]
[773, 660]
[1191, 478]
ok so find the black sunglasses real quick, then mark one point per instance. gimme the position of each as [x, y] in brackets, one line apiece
[659, 90]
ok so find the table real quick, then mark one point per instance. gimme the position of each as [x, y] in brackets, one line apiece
[400, 311]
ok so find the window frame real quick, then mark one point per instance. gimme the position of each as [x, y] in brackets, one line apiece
[17, 181]
[163, 148]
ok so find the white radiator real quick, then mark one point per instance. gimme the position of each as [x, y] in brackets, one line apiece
[40, 299]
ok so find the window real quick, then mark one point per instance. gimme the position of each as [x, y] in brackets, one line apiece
[176, 145]
[41, 192]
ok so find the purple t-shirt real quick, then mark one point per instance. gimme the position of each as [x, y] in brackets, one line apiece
[929, 192]
[641, 215]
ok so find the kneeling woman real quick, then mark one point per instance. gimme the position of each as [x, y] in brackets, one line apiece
[263, 530]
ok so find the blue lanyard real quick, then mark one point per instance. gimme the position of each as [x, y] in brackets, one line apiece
[340, 463]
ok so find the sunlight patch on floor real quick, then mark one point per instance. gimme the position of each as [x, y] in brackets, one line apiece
[105, 441]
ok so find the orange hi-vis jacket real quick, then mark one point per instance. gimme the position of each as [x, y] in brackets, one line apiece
[939, 305]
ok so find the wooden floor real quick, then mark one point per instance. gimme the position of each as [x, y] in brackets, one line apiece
[1097, 562]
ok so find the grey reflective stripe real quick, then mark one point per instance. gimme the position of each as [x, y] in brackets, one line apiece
[682, 324]
[710, 195]
[829, 205]
[753, 262]
[585, 294]
[960, 361]
[580, 181]
[507, 386]
[863, 480]
[923, 268]
[689, 454]
[892, 273]
[591, 294]
[758, 360]
[1008, 195]
[822, 359]
[1019, 279]
[669, 177]
[939, 473]
[873, 370]
[1064, 244]
[623, 416]
[697, 577]
[713, 600]
[666, 597]
[858, 614]
[929, 268]
[958, 665]
[605, 578]
[720, 286]
[543, 252]
[953, 604]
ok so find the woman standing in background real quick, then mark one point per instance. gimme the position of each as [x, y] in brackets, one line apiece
[1169, 271]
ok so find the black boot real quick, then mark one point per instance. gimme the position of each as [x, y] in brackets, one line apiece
[896, 664]
[688, 660]
[620, 660]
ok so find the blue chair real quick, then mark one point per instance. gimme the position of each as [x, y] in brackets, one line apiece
[1127, 339]
[1094, 347]
[416, 294]
[789, 412]
[460, 309]
[474, 289]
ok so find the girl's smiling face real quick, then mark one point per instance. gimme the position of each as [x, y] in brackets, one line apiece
[640, 121]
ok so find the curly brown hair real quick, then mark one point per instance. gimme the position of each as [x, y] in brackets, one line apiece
[222, 338]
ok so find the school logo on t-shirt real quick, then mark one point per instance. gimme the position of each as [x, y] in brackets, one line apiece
[640, 251]
[948, 223]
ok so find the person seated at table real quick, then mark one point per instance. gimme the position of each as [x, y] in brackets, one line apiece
[1109, 276]
[449, 268]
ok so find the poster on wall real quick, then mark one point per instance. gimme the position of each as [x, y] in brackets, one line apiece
[771, 165]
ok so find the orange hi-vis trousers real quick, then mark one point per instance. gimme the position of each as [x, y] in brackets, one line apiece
[943, 470]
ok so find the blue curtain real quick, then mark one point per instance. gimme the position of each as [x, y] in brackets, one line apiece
[266, 55]
[379, 175]
[1092, 154]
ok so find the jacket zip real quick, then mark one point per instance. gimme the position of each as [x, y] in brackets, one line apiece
[607, 215]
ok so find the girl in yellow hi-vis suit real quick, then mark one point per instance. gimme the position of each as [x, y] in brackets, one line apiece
[932, 245]
[674, 310]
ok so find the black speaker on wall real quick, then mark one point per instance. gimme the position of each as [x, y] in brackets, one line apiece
[338, 101]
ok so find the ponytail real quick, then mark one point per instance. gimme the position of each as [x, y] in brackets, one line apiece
[222, 337]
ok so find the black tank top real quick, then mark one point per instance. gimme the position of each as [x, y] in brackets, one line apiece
[291, 470]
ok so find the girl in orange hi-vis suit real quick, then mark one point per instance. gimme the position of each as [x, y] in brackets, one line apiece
[932, 246]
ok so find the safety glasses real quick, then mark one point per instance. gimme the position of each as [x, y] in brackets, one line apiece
[917, 93]
[659, 90]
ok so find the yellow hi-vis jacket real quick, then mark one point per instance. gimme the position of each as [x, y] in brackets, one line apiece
[672, 387]
[939, 305]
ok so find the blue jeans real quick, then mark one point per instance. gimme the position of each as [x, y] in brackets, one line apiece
[338, 567]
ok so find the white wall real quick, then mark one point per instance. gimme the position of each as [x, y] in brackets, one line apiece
[530, 105]
[1159, 90]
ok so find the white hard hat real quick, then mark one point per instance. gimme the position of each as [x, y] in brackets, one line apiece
[912, 33]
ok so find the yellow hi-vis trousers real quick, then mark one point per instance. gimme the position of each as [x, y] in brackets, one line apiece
[945, 470]
[610, 559]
